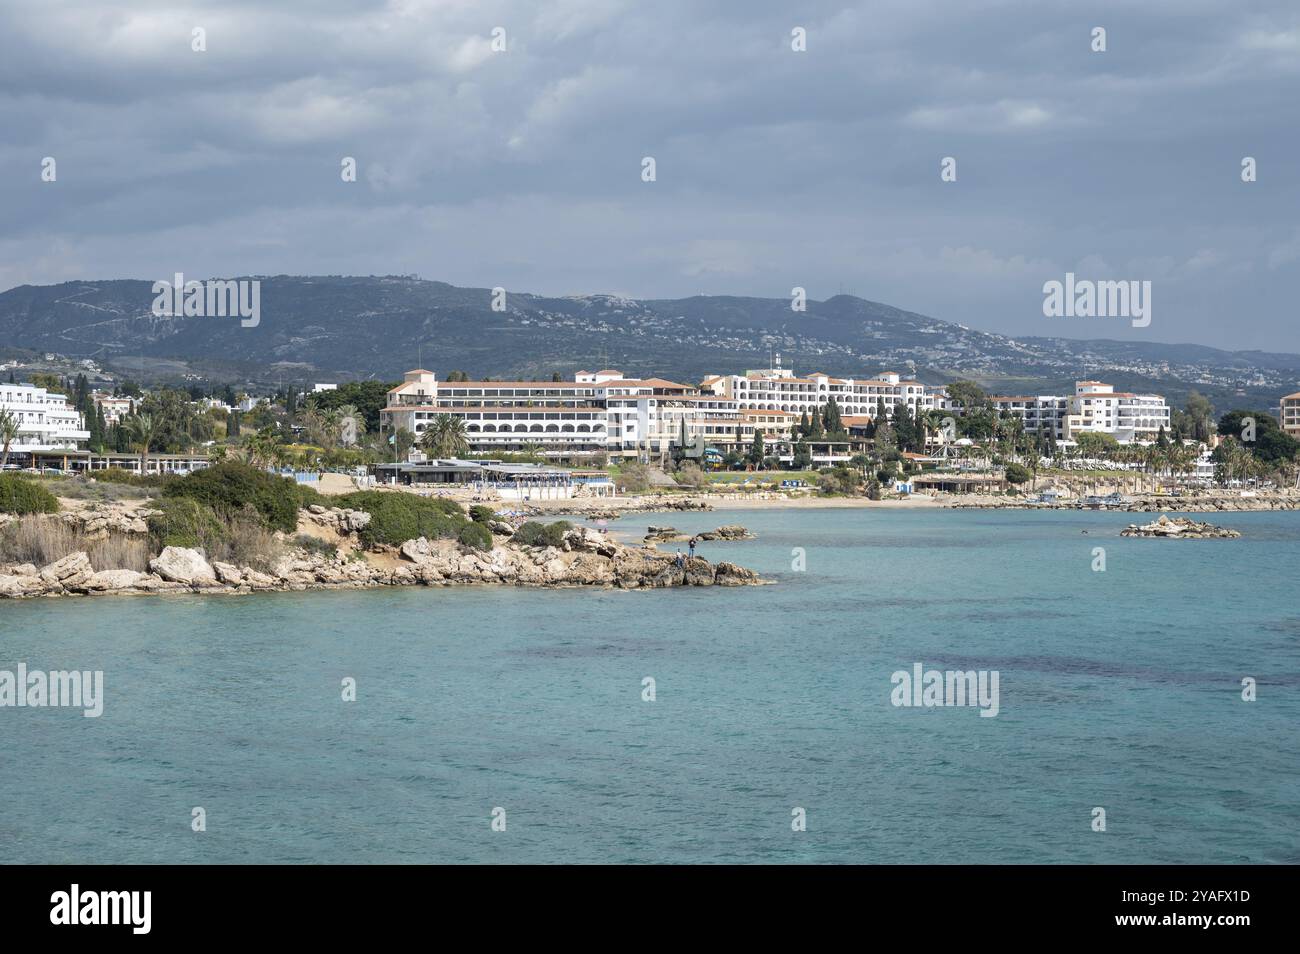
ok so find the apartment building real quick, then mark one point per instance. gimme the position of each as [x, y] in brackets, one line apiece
[46, 422]
[1289, 414]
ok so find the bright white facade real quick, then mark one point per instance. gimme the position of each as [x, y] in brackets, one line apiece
[777, 389]
[1094, 406]
[596, 413]
[46, 422]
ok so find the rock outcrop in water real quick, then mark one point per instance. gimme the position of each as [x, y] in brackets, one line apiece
[1180, 528]
[585, 558]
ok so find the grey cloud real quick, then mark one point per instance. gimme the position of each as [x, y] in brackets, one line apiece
[774, 168]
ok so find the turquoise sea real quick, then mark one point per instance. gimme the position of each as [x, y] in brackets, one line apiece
[1118, 689]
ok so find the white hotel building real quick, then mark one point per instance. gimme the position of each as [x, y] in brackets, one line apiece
[1094, 406]
[46, 422]
[597, 412]
[777, 389]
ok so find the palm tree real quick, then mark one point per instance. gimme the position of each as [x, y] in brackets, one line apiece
[352, 425]
[8, 434]
[445, 437]
[261, 447]
[144, 428]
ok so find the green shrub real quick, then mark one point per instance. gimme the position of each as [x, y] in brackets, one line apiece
[228, 486]
[398, 517]
[184, 522]
[534, 534]
[481, 514]
[475, 536]
[308, 495]
[22, 496]
[1017, 473]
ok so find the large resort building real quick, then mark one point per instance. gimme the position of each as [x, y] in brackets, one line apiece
[604, 413]
[1094, 406]
[47, 424]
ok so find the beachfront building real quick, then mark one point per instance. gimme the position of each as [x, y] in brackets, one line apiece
[1289, 414]
[778, 389]
[1126, 416]
[47, 423]
[596, 413]
[1094, 406]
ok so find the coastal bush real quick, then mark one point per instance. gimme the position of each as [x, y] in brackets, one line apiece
[228, 486]
[22, 496]
[534, 534]
[184, 522]
[481, 514]
[837, 480]
[476, 536]
[308, 495]
[690, 475]
[398, 517]
[633, 478]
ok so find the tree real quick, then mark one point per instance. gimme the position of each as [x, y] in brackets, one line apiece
[144, 428]
[756, 450]
[1260, 432]
[445, 437]
[816, 431]
[967, 395]
[351, 424]
[831, 419]
[1017, 473]
[8, 434]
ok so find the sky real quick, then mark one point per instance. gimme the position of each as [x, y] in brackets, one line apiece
[774, 167]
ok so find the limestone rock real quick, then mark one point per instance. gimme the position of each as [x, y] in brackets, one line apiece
[183, 565]
[73, 572]
[113, 580]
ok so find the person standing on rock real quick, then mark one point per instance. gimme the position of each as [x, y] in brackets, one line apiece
[679, 561]
[691, 548]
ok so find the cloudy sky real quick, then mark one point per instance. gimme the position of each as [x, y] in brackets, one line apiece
[775, 168]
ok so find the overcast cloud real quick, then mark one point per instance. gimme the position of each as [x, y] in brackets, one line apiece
[775, 168]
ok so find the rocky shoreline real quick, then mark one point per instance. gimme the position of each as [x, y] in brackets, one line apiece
[585, 558]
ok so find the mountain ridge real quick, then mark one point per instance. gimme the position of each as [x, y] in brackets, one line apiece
[343, 327]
